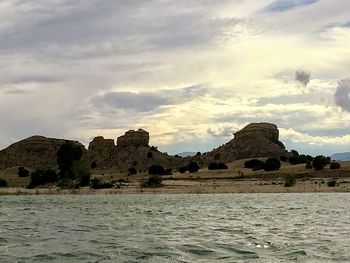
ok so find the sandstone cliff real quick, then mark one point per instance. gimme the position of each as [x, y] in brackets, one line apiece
[133, 138]
[103, 152]
[254, 140]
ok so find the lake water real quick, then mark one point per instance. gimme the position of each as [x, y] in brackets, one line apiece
[176, 228]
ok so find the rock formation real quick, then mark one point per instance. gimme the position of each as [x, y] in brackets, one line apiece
[33, 152]
[133, 138]
[254, 140]
[103, 152]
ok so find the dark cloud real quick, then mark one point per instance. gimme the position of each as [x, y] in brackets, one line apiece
[303, 77]
[95, 28]
[148, 101]
[285, 5]
[342, 95]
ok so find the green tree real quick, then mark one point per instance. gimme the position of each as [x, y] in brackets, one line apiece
[67, 155]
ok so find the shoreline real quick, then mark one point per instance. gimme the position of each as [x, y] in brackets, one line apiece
[208, 186]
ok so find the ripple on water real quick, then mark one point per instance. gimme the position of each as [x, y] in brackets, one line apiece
[176, 228]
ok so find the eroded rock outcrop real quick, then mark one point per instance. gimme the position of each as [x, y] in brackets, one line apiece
[103, 152]
[33, 152]
[254, 140]
[134, 138]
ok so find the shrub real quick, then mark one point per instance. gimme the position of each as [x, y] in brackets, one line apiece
[22, 172]
[332, 183]
[154, 180]
[156, 169]
[294, 153]
[132, 171]
[96, 183]
[183, 169]
[308, 165]
[41, 177]
[217, 166]
[284, 159]
[168, 171]
[193, 167]
[198, 154]
[272, 164]
[3, 183]
[254, 164]
[299, 159]
[85, 180]
[149, 155]
[154, 148]
[335, 165]
[319, 162]
[289, 180]
[93, 165]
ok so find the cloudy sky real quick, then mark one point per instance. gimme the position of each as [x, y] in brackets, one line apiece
[191, 72]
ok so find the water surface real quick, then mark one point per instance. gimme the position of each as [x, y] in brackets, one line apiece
[176, 228]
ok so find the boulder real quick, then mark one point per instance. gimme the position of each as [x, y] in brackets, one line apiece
[133, 138]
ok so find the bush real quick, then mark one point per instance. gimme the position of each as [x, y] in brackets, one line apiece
[198, 154]
[96, 183]
[335, 165]
[41, 177]
[183, 169]
[22, 172]
[319, 162]
[93, 165]
[217, 156]
[289, 180]
[284, 159]
[294, 153]
[298, 159]
[332, 183]
[168, 171]
[193, 167]
[149, 155]
[254, 164]
[154, 180]
[85, 180]
[3, 183]
[217, 166]
[308, 165]
[272, 164]
[156, 169]
[132, 171]
[154, 148]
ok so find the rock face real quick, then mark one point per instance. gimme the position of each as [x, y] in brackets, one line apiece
[133, 138]
[254, 140]
[33, 152]
[267, 131]
[103, 152]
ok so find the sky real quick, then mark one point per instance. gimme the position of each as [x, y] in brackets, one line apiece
[190, 72]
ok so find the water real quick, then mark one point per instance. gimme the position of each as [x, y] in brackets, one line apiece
[176, 228]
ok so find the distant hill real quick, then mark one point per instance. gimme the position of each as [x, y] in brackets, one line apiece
[341, 156]
[187, 154]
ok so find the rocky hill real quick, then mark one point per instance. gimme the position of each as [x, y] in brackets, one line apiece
[133, 150]
[254, 140]
[33, 152]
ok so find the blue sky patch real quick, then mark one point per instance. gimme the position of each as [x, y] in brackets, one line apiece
[285, 5]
